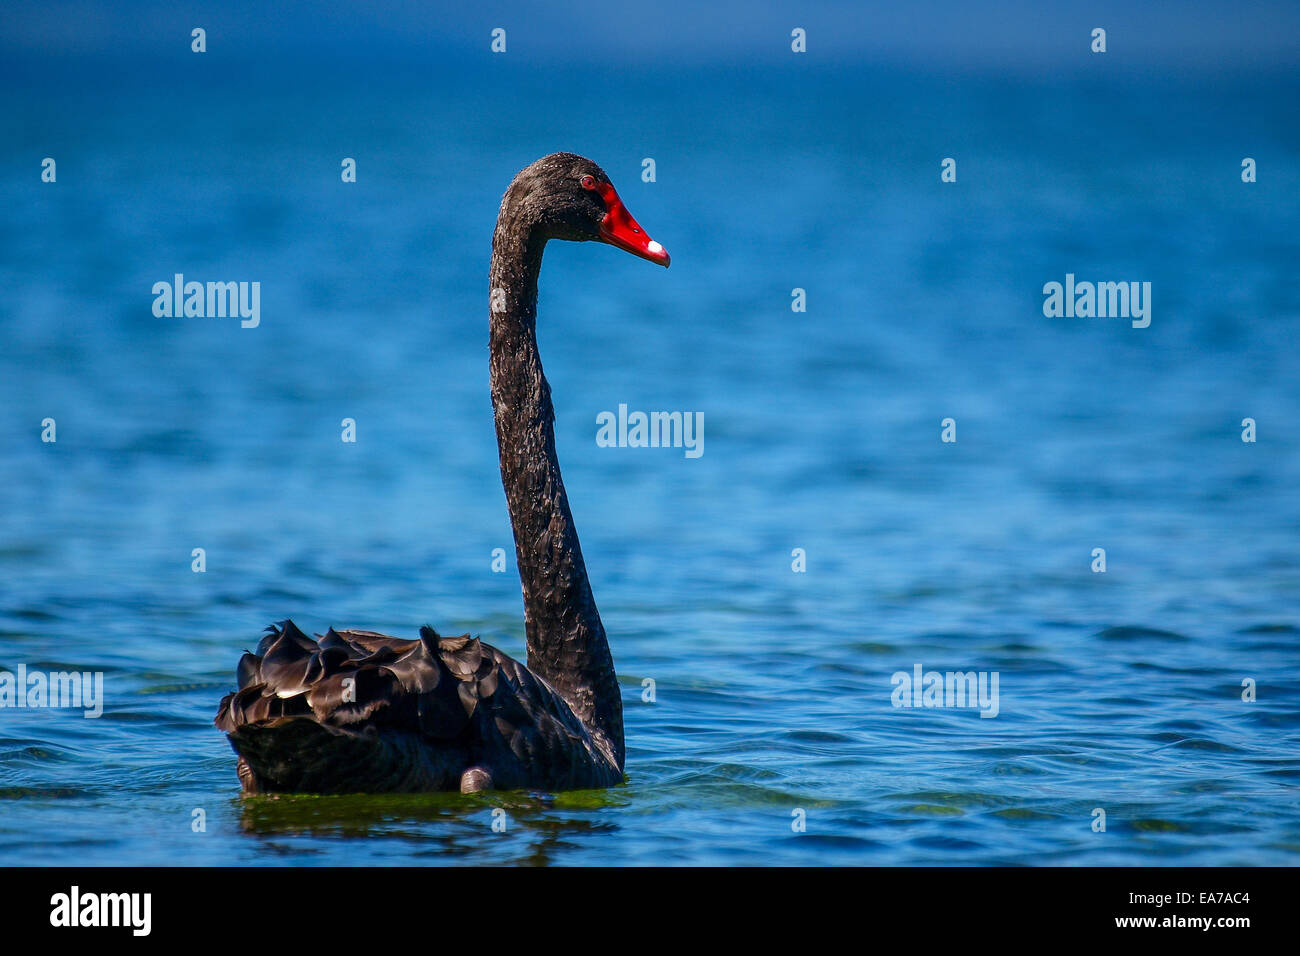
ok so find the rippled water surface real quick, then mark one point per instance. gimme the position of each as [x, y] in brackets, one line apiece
[1120, 691]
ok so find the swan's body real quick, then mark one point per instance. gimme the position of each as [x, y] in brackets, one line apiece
[359, 711]
[429, 714]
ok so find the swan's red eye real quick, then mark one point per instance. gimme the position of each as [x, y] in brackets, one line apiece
[588, 182]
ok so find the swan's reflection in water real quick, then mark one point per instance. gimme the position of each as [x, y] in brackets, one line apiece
[433, 827]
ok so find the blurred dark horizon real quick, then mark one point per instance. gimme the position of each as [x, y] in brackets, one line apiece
[1013, 36]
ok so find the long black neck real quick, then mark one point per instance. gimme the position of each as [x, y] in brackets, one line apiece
[566, 640]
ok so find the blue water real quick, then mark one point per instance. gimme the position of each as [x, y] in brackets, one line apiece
[1120, 691]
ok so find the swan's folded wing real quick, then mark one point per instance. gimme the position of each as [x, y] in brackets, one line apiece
[346, 680]
[351, 678]
[535, 734]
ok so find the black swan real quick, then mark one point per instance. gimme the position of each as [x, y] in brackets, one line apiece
[358, 711]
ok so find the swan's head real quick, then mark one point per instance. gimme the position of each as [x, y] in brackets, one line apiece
[569, 197]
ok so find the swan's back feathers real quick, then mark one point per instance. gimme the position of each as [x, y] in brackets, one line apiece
[363, 711]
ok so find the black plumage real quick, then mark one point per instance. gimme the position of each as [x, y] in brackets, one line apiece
[358, 711]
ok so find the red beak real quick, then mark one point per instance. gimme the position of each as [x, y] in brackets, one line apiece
[618, 228]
